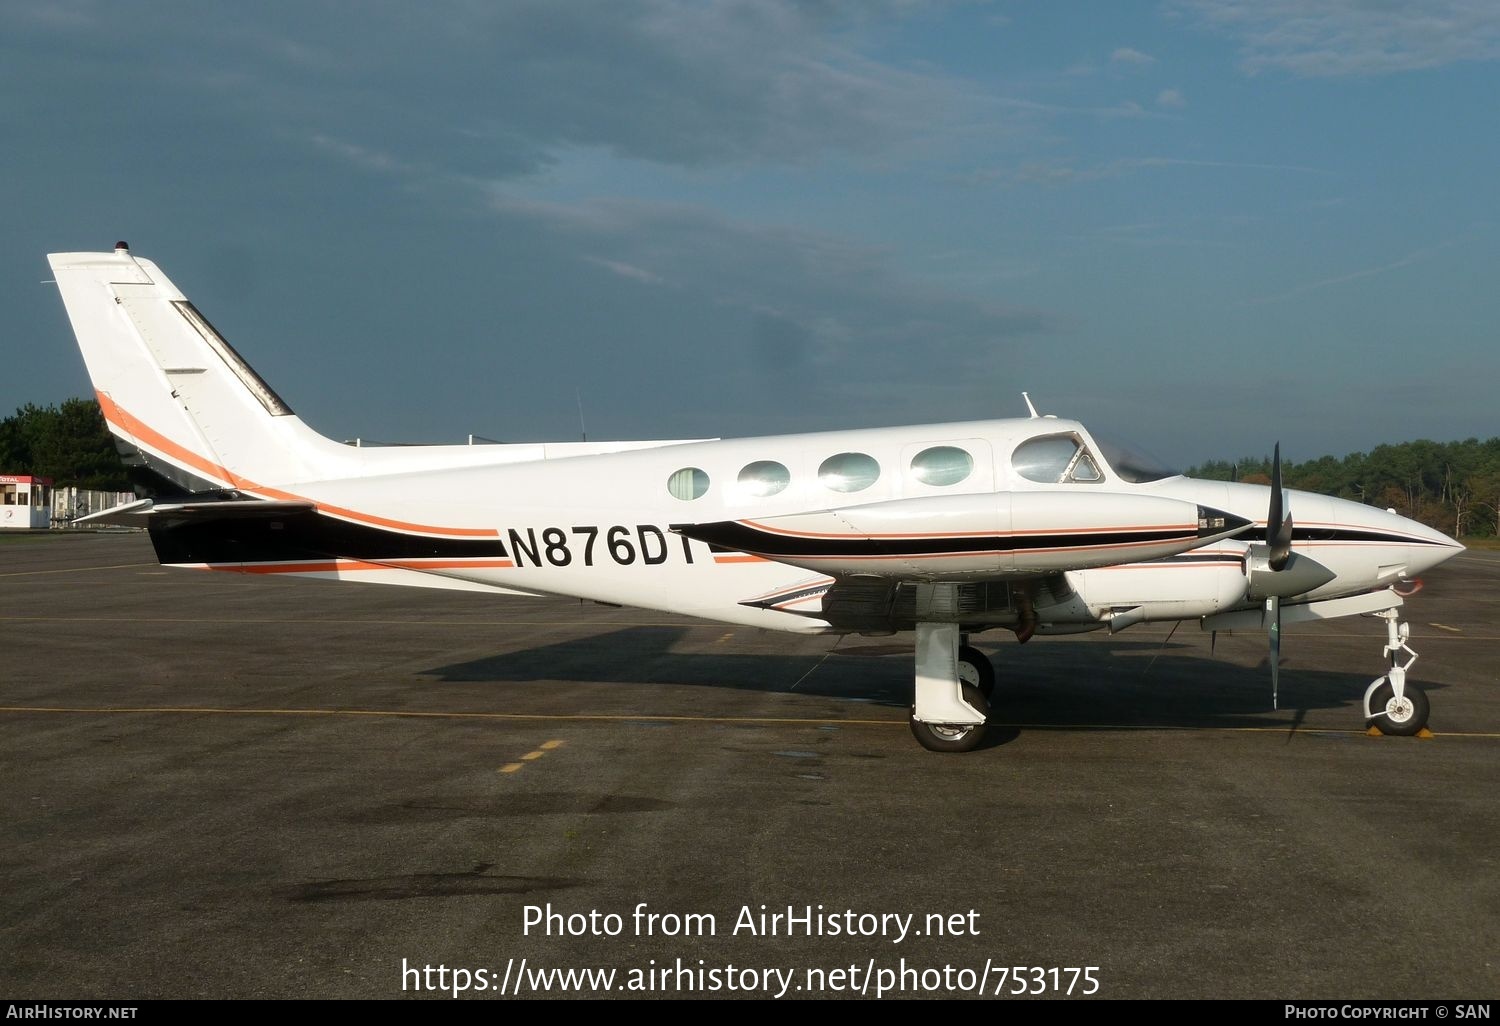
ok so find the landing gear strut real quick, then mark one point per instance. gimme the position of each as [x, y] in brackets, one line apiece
[1393, 706]
[948, 714]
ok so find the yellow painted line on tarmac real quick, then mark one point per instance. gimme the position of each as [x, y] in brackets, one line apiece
[650, 718]
[410, 714]
[77, 569]
[1445, 627]
[532, 756]
[313, 623]
[1284, 729]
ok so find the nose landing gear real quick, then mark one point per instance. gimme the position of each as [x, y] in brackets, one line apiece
[1393, 706]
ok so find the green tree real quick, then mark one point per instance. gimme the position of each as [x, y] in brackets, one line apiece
[68, 443]
[1453, 486]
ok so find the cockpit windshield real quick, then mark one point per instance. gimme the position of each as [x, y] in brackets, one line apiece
[1132, 464]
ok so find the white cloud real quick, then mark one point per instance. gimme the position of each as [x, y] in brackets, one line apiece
[1060, 173]
[1129, 55]
[799, 307]
[1172, 99]
[1328, 38]
[1339, 279]
[630, 271]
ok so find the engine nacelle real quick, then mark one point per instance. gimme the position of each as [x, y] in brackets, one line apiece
[1300, 575]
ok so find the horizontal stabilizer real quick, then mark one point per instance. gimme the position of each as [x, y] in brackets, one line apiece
[126, 514]
[142, 512]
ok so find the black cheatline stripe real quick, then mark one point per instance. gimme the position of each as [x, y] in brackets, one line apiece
[1352, 534]
[302, 536]
[741, 537]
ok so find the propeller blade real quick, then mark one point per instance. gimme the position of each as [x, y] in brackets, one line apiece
[1273, 606]
[1278, 520]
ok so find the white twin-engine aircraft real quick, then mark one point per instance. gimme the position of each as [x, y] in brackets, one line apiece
[946, 530]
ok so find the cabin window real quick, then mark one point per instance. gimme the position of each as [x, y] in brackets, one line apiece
[942, 465]
[1055, 459]
[10, 495]
[688, 483]
[764, 478]
[849, 472]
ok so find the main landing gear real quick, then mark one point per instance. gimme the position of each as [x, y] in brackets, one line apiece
[953, 685]
[1393, 706]
[974, 667]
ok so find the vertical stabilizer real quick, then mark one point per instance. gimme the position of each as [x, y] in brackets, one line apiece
[172, 389]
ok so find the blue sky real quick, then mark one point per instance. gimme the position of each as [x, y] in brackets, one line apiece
[1205, 225]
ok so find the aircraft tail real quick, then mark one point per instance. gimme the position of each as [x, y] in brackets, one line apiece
[189, 415]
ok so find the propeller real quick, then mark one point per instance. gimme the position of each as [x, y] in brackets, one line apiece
[1278, 520]
[1273, 606]
[1279, 546]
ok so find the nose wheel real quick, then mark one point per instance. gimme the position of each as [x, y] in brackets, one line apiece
[1393, 706]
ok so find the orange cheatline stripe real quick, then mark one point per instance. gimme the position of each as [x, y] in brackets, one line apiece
[741, 559]
[346, 565]
[1171, 566]
[370, 518]
[122, 419]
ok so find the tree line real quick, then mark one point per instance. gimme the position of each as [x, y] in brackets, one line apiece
[1452, 486]
[68, 443]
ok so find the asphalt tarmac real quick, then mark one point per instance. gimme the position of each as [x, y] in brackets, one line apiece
[225, 786]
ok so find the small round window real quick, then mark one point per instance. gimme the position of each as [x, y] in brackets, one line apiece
[763, 478]
[688, 483]
[849, 472]
[942, 465]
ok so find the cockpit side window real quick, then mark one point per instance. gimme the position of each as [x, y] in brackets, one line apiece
[1131, 463]
[1055, 459]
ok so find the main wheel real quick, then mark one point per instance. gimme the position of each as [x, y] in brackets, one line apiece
[958, 737]
[975, 668]
[1401, 718]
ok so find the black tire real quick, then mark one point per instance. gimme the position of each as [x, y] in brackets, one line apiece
[975, 668]
[1403, 720]
[935, 737]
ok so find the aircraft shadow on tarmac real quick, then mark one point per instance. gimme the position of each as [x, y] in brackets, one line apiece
[1052, 682]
